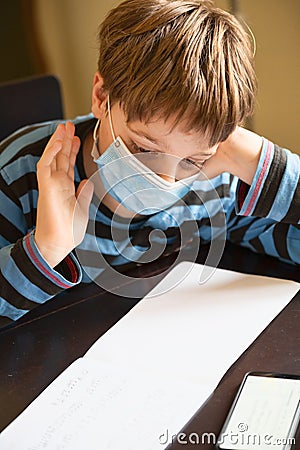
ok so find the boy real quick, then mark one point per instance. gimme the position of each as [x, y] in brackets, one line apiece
[175, 80]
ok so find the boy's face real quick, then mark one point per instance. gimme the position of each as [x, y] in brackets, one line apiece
[155, 136]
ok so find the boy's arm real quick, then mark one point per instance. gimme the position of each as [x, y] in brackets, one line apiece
[26, 279]
[266, 214]
[269, 176]
[62, 212]
[275, 189]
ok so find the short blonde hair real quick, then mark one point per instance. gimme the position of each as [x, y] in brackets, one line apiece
[181, 58]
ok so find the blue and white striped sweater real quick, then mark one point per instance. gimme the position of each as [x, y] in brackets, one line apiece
[265, 220]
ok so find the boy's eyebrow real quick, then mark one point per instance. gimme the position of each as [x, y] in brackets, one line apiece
[142, 134]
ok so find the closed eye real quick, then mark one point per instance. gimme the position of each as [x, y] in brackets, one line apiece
[137, 149]
[197, 164]
[185, 161]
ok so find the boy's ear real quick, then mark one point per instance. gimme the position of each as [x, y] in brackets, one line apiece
[99, 97]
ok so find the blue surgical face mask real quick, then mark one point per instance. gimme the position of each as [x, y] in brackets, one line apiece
[130, 180]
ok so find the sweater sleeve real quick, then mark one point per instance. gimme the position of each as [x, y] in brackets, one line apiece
[26, 279]
[266, 217]
[275, 191]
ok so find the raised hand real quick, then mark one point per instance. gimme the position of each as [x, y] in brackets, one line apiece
[62, 214]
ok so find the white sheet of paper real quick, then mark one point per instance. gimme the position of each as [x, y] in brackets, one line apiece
[195, 331]
[144, 379]
[97, 406]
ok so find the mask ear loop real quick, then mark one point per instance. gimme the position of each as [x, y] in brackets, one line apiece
[95, 150]
[95, 133]
[109, 118]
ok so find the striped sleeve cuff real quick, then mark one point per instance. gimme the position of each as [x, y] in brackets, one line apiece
[247, 201]
[275, 190]
[52, 280]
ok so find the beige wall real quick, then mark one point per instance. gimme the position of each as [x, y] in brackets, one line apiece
[68, 31]
[68, 38]
[276, 25]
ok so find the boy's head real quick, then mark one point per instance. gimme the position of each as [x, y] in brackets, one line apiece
[184, 59]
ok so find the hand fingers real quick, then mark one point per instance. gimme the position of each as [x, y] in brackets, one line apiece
[47, 162]
[63, 157]
[84, 196]
[58, 134]
[53, 147]
[58, 154]
[73, 155]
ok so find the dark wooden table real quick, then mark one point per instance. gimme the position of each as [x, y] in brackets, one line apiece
[37, 348]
